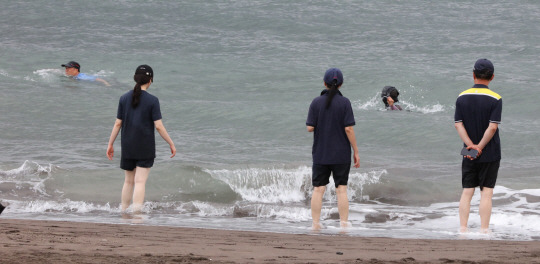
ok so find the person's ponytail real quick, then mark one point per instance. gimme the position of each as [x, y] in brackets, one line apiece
[139, 80]
[333, 89]
[136, 98]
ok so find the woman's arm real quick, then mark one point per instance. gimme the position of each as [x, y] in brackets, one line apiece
[112, 138]
[163, 133]
[352, 139]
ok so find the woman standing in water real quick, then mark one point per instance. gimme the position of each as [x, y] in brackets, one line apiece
[138, 115]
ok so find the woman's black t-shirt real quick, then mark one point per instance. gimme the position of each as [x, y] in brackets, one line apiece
[138, 137]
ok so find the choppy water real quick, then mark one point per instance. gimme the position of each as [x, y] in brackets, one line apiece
[235, 79]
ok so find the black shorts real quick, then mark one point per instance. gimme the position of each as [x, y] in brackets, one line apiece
[321, 174]
[130, 164]
[483, 174]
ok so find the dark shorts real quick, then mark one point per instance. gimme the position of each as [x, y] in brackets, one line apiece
[483, 174]
[321, 174]
[130, 164]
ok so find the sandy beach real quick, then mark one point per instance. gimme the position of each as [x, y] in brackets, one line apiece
[28, 241]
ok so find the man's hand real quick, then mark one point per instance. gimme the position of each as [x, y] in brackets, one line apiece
[477, 148]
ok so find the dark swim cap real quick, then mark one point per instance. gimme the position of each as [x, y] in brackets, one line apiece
[390, 91]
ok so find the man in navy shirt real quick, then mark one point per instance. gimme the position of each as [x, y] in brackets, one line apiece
[477, 118]
[331, 118]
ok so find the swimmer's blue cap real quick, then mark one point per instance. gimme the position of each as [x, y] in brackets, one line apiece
[333, 74]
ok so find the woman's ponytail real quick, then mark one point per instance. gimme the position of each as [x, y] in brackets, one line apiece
[143, 75]
[333, 79]
[136, 98]
[333, 88]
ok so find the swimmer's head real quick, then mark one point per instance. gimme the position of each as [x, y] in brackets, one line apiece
[72, 68]
[389, 91]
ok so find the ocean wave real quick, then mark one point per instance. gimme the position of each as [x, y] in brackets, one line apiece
[287, 185]
[29, 176]
[63, 206]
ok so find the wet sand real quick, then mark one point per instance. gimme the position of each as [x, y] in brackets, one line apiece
[28, 241]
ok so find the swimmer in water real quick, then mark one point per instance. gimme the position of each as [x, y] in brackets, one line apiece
[73, 70]
[390, 98]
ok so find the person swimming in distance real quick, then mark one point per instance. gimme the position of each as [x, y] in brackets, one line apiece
[73, 70]
[390, 98]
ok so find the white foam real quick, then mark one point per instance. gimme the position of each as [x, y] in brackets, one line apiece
[46, 74]
[287, 185]
[65, 206]
[266, 185]
[29, 173]
[375, 103]
[428, 109]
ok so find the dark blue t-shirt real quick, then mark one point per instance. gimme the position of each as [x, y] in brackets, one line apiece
[476, 108]
[138, 138]
[330, 142]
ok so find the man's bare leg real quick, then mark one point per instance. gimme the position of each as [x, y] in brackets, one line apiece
[485, 209]
[343, 205]
[465, 208]
[316, 206]
[141, 175]
[127, 190]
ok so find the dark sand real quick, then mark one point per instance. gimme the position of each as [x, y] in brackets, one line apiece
[28, 241]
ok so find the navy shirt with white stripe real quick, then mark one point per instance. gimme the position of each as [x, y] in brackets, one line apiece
[330, 142]
[477, 108]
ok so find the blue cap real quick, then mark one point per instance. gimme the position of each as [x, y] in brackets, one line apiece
[333, 74]
[484, 66]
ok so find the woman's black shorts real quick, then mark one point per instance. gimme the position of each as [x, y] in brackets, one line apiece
[130, 164]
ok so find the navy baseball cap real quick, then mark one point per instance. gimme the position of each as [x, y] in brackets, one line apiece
[72, 64]
[144, 70]
[333, 74]
[484, 66]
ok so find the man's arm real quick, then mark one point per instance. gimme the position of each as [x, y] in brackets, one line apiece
[103, 81]
[352, 139]
[462, 132]
[310, 129]
[488, 135]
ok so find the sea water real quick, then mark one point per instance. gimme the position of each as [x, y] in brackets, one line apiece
[235, 80]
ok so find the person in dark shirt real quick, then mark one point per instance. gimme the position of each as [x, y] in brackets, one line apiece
[331, 119]
[138, 114]
[477, 119]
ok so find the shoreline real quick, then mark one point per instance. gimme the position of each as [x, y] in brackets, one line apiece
[44, 241]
